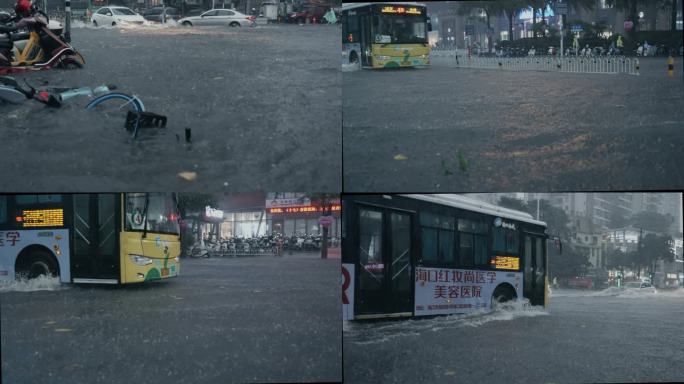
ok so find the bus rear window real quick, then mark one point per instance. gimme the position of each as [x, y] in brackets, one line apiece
[162, 216]
[37, 199]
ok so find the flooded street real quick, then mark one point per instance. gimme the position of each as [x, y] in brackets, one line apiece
[490, 130]
[255, 100]
[609, 336]
[259, 319]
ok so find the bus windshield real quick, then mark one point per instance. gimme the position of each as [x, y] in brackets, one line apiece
[399, 29]
[162, 215]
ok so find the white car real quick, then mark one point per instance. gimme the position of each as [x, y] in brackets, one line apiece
[116, 16]
[218, 17]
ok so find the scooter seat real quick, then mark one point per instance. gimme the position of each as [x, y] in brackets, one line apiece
[20, 36]
[5, 43]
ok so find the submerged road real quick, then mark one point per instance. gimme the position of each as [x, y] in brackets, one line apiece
[582, 338]
[263, 105]
[248, 320]
[448, 129]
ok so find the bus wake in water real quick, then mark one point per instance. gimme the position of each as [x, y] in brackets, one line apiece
[379, 332]
[41, 283]
[620, 293]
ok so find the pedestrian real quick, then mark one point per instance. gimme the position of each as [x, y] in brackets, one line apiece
[555, 282]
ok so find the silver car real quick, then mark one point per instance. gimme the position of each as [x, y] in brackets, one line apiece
[219, 17]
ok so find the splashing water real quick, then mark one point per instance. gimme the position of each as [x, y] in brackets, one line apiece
[370, 333]
[350, 67]
[41, 283]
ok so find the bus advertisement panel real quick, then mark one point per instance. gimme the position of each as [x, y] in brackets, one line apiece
[385, 35]
[443, 291]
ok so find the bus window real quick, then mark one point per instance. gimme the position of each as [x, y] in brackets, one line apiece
[437, 238]
[465, 250]
[161, 213]
[505, 240]
[511, 242]
[370, 250]
[37, 199]
[3, 209]
[473, 243]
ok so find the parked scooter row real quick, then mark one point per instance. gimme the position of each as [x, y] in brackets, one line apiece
[272, 244]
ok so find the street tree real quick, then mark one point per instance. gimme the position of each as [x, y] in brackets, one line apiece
[326, 201]
[654, 248]
[652, 221]
[630, 7]
[191, 202]
[512, 9]
[489, 9]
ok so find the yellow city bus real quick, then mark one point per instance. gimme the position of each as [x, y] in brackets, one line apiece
[105, 238]
[385, 35]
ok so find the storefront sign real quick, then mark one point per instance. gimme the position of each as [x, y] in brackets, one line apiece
[281, 202]
[325, 221]
[303, 209]
[442, 291]
[213, 213]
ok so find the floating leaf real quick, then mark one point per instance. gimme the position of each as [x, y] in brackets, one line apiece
[400, 157]
[189, 176]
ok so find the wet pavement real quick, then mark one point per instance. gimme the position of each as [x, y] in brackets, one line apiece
[263, 105]
[447, 129]
[584, 337]
[258, 319]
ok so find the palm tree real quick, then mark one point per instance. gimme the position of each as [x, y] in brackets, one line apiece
[490, 9]
[512, 8]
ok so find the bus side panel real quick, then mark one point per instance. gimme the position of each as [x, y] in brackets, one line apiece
[400, 55]
[347, 50]
[163, 250]
[447, 291]
[347, 291]
[12, 243]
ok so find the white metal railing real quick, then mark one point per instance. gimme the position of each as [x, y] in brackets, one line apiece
[572, 64]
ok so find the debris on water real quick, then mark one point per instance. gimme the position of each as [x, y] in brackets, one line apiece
[400, 157]
[187, 175]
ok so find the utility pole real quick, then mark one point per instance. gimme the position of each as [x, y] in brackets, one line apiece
[67, 21]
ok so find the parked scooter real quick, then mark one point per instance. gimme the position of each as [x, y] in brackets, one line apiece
[37, 49]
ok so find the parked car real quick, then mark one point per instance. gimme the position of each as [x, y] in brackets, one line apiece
[116, 16]
[155, 14]
[637, 285]
[218, 17]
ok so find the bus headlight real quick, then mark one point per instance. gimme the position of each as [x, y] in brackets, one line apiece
[140, 260]
[382, 57]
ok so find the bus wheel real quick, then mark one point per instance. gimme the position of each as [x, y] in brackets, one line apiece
[36, 264]
[502, 294]
[353, 57]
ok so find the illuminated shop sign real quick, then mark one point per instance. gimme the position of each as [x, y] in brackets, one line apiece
[401, 10]
[303, 209]
[506, 262]
[32, 218]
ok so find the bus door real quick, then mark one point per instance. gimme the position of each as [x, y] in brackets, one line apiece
[534, 267]
[95, 257]
[365, 39]
[384, 268]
